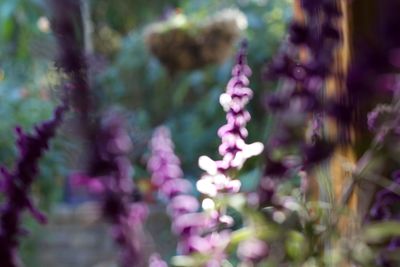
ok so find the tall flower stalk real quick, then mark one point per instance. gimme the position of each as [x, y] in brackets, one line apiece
[111, 178]
[219, 180]
[167, 177]
[16, 186]
[207, 233]
[233, 149]
[107, 144]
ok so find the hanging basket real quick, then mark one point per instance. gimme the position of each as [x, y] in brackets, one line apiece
[181, 44]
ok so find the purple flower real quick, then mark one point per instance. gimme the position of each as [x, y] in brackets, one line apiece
[301, 96]
[71, 58]
[311, 6]
[298, 33]
[252, 251]
[213, 246]
[383, 121]
[182, 204]
[175, 187]
[266, 193]
[233, 149]
[16, 186]
[189, 224]
[167, 176]
[163, 164]
[192, 227]
[110, 175]
[109, 172]
[156, 261]
[217, 178]
[315, 153]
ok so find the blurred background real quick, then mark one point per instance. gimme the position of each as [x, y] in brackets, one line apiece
[156, 62]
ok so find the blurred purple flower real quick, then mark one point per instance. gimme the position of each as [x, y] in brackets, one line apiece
[266, 193]
[189, 224]
[301, 96]
[167, 176]
[156, 261]
[383, 121]
[109, 171]
[111, 177]
[163, 164]
[71, 58]
[192, 227]
[252, 251]
[16, 185]
[182, 204]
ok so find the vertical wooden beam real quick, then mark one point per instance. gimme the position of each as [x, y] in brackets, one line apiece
[336, 90]
[365, 19]
[313, 190]
[344, 157]
[298, 12]
[344, 154]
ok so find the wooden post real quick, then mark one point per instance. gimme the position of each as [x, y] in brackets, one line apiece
[344, 155]
[313, 191]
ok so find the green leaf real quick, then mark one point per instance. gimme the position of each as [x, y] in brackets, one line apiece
[296, 246]
[182, 261]
[379, 232]
[195, 260]
[6, 29]
[241, 235]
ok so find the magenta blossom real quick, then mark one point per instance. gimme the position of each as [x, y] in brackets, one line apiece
[218, 177]
[111, 178]
[233, 149]
[16, 186]
[167, 176]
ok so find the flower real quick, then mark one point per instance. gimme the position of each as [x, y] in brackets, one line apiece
[211, 185]
[156, 261]
[252, 250]
[16, 185]
[109, 172]
[301, 105]
[218, 178]
[110, 176]
[167, 177]
[164, 165]
[233, 149]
